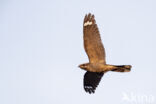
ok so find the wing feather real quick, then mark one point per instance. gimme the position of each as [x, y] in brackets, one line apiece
[91, 81]
[92, 41]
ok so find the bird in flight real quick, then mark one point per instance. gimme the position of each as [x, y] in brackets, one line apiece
[97, 66]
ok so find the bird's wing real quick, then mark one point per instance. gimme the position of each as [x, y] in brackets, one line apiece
[91, 81]
[92, 41]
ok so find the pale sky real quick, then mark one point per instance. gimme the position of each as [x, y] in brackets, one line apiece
[41, 46]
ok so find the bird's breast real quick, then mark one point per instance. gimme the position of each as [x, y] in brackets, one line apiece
[97, 67]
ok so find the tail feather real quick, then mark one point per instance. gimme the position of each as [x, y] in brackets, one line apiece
[122, 68]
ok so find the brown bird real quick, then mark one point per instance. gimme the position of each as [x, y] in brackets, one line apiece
[96, 53]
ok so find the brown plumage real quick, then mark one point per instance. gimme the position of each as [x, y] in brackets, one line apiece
[92, 41]
[96, 53]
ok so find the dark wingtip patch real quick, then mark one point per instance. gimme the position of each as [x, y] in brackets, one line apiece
[89, 89]
[91, 81]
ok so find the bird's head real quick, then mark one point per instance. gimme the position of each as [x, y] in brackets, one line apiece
[84, 66]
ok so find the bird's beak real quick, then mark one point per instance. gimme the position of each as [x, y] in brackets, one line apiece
[79, 66]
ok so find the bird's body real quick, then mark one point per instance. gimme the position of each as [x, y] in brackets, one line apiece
[101, 67]
[96, 53]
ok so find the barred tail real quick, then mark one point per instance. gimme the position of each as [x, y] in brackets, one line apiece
[122, 68]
